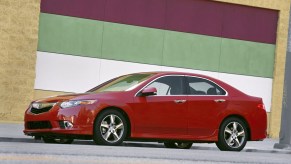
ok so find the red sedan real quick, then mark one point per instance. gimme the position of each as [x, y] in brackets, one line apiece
[170, 107]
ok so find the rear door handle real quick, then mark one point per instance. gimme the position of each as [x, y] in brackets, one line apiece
[219, 100]
[179, 101]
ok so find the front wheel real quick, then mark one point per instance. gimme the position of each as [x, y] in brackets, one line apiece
[178, 145]
[233, 135]
[110, 128]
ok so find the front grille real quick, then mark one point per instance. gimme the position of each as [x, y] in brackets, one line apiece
[38, 107]
[38, 111]
[38, 125]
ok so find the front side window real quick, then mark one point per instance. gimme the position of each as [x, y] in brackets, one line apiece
[169, 85]
[199, 86]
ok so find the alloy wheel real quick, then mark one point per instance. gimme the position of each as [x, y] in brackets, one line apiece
[234, 134]
[112, 128]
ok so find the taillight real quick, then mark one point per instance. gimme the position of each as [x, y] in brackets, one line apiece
[261, 106]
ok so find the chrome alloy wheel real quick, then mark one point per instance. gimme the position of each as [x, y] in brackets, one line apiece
[234, 134]
[111, 128]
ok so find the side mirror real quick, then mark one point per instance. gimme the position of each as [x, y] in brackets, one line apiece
[149, 91]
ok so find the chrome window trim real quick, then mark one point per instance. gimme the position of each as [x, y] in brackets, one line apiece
[226, 93]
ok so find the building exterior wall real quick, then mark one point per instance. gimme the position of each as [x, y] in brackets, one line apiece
[18, 45]
[89, 44]
[281, 47]
[234, 43]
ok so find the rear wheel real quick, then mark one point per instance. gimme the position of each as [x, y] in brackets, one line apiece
[55, 140]
[110, 128]
[233, 135]
[178, 145]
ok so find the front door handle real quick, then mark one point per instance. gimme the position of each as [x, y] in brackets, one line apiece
[219, 100]
[179, 101]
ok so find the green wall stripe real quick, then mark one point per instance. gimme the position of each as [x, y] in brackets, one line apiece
[82, 37]
[247, 58]
[69, 35]
[131, 43]
[192, 51]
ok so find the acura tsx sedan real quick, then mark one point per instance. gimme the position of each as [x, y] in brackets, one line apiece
[174, 108]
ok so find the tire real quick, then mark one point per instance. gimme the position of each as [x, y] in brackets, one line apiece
[178, 145]
[58, 141]
[233, 135]
[110, 128]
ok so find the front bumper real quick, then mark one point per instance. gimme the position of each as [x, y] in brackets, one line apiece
[51, 123]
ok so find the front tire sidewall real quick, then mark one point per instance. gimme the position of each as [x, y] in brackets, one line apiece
[222, 145]
[97, 134]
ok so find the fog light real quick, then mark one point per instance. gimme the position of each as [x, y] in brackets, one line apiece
[66, 124]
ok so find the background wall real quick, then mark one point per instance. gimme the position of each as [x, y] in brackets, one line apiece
[18, 44]
[107, 38]
[231, 42]
[83, 43]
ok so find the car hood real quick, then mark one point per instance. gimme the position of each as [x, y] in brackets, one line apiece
[78, 96]
[64, 97]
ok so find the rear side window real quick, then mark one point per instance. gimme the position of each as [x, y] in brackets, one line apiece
[200, 86]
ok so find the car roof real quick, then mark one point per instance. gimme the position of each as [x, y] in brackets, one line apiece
[224, 85]
[160, 73]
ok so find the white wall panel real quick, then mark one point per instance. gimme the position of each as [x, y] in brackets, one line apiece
[254, 86]
[68, 73]
[111, 68]
[207, 73]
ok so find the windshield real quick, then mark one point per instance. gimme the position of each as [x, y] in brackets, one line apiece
[123, 83]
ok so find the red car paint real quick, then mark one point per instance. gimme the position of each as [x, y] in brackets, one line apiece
[197, 118]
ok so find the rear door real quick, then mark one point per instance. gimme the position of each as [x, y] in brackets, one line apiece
[205, 101]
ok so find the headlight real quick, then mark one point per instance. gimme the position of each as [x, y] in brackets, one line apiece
[72, 103]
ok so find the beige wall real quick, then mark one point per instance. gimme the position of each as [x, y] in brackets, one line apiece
[18, 44]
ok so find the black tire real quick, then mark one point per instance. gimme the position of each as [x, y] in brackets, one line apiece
[178, 145]
[231, 138]
[58, 141]
[115, 131]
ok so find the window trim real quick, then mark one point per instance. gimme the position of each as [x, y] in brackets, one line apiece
[184, 87]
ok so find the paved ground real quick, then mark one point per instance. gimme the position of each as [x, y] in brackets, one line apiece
[17, 148]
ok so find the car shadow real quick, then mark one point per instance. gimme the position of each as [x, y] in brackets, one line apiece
[137, 144]
[91, 142]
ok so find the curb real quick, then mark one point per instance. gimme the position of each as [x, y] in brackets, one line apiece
[145, 144]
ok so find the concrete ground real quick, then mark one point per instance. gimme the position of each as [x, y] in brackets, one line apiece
[12, 132]
[16, 148]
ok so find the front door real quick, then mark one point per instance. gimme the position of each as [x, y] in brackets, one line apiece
[163, 115]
